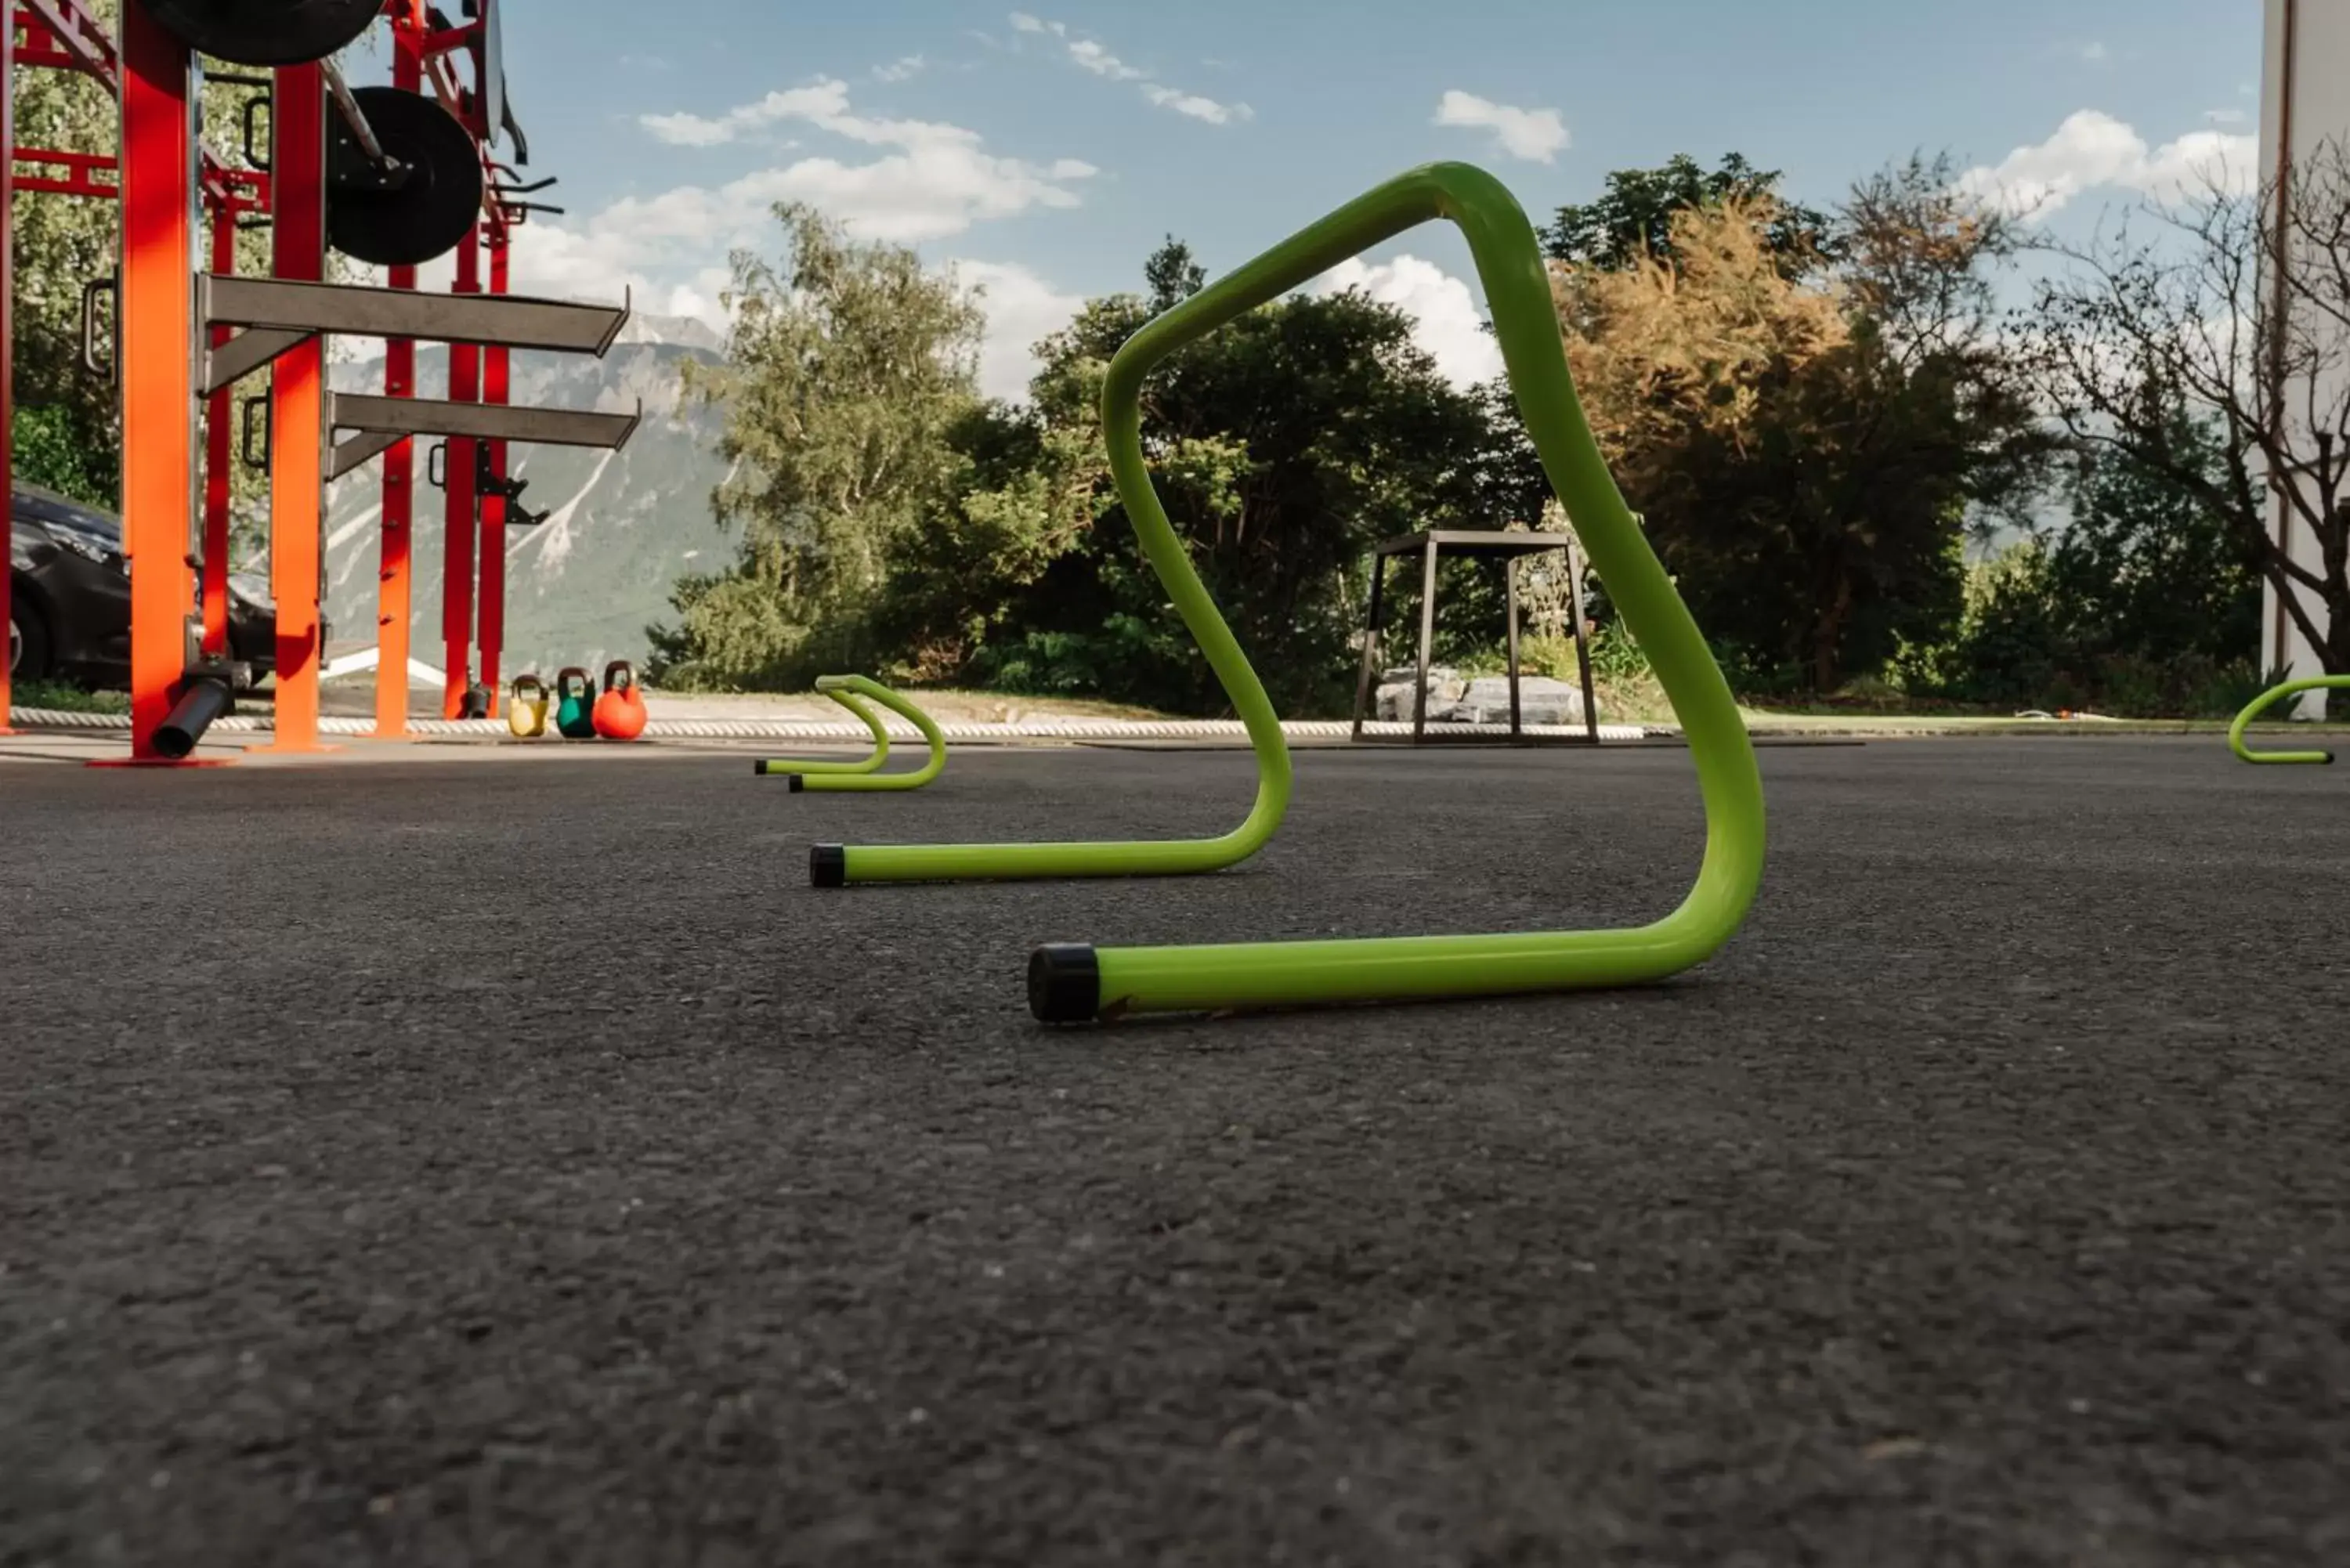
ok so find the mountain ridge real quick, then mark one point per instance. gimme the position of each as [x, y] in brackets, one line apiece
[620, 527]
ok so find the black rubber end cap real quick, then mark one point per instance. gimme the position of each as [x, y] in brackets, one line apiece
[797, 782]
[760, 767]
[1065, 984]
[828, 864]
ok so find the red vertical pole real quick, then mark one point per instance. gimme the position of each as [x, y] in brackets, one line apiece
[392, 602]
[158, 336]
[297, 251]
[457, 485]
[493, 506]
[216, 461]
[8, 330]
[391, 644]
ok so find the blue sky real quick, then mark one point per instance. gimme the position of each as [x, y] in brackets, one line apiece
[1044, 151]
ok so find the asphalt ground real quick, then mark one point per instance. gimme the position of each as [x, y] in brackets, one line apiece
[517, 1162]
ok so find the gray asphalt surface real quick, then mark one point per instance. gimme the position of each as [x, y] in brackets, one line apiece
[422, 1163]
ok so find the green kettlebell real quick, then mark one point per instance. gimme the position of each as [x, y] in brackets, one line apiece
[575, 707]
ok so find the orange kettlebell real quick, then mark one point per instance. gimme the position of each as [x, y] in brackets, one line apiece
[620, 711]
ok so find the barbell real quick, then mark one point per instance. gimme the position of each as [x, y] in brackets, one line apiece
[404, 177]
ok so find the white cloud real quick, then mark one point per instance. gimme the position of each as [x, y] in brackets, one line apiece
[2094, 52]
[1536, 135]
[903, 69]
[824, 101]
[1195, 106]
[2225, 116]
[2198, 159]
[2093, 149]
[929, 182]
[1446, 320]
[1089, 55]
[1101, 62]
[936, 180]
[1021, 308]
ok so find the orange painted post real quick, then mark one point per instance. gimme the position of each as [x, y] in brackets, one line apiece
[399, 495]
[296, 443]
[158, 401]
[457, 489]
[7, 326]
[217, 462]
[493, 505]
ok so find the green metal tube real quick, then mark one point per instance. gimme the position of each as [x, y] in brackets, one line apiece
[847, 689]
[2269, 699]
[833, 865]
[1072, 983]
[796, 767]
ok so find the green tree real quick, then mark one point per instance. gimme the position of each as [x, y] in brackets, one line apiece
[2143, 569]
[66, 423]
[64, 419]
[1172, 275]
[2143, 603]
[1633, 218]
[2207, 308]
[1282, 446]
[850, 372]
[1809, 443]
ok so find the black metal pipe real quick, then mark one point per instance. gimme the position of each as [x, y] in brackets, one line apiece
[202, 698]
[357, 120]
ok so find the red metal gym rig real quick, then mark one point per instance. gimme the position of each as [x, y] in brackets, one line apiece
[245, 325]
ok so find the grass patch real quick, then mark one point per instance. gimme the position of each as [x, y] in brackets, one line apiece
[57, 697]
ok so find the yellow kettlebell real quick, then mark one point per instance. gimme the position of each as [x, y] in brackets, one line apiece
[526, 708]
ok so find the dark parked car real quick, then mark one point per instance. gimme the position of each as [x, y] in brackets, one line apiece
[69, 603]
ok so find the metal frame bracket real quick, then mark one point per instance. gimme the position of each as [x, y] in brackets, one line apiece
[382, 422]
[359, 310]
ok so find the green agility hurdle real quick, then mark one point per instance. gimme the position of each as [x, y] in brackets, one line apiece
[2269, 699]
[1075, 982]
[820, 777]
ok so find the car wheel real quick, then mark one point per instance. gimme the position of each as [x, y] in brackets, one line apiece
[29, 642]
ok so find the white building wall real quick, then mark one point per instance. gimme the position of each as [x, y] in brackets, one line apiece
[2304, 101]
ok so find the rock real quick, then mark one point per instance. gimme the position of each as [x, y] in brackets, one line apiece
[1541, 700]
[1453, 699]
[1394, 700]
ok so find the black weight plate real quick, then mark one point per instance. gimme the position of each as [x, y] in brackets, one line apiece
[265, 32]
[428, 213]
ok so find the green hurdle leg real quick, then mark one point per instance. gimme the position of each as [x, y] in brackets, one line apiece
[1072, 982]
[2270, 697]
[797, 766]
[847, 688]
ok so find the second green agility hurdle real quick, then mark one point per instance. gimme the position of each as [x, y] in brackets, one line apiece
[863, 776]
[2269, 699]
[1074, 983]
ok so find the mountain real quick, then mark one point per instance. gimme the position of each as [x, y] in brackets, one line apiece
[620, 527]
